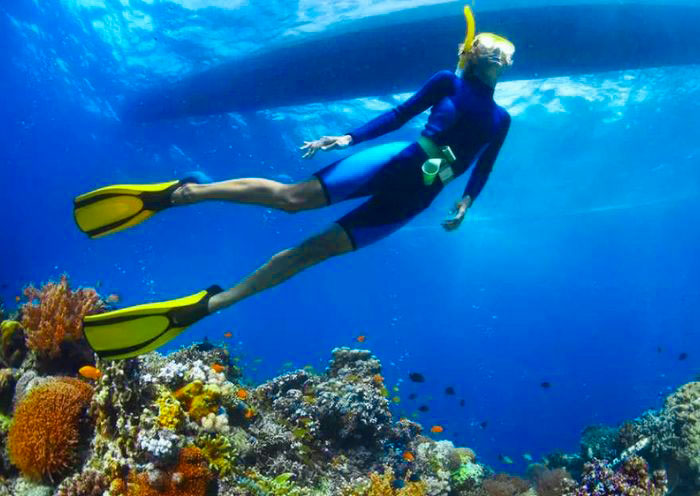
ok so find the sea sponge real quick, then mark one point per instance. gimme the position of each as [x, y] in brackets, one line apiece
[12, 345]
[169, 411]
[45, 432]
[199, 400]
[383, 485]
[54, 314]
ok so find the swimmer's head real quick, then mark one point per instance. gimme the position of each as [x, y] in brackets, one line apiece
[489, 53]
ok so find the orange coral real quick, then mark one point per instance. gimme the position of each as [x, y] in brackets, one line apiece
[45, 430]
[54, 314]
[190, 477]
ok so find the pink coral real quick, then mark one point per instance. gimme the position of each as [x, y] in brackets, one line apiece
[53, 315]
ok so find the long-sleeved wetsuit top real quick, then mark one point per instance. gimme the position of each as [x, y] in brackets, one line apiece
[463, 116]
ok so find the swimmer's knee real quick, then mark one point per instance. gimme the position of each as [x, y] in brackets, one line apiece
[301, 196]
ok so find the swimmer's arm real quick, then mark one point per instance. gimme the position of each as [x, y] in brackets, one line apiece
[484, 165]
[432, 92]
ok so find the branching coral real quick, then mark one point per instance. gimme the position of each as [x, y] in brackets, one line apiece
[53, 316]
[218, 451]
[384, 485]
[45, 432]
[632, 479]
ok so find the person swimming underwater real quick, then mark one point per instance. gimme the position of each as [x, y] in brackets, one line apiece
[465, 125]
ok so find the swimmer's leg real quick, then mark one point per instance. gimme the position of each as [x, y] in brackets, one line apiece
[283, 265]
[305, 195]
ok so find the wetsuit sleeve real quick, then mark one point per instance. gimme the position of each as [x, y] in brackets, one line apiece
[432, 92]
[484, 165]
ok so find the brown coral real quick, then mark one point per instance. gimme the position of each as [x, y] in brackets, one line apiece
[45, 432]
[190, 477]
[382, 485]
[505, 485]
[53, 316]
[87, 483]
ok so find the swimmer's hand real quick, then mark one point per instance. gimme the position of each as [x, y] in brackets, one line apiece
[325, 143]
[458, 212]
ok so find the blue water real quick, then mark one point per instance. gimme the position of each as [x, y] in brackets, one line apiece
[576, 264]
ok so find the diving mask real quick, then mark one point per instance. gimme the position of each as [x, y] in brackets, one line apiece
[490, 42]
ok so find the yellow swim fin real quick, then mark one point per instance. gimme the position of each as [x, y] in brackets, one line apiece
[136, 330]
[113, 208]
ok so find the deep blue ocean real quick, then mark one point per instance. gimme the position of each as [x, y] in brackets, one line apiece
[578, 265]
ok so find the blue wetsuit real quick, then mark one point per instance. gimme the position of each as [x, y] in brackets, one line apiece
[463, 116]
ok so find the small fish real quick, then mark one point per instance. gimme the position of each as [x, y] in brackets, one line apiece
[408, 456]
[18, 298]
[98, 284]
[505, 459]
[423, 408]
[258, 360]
[527, 457]
[398, 484]
[249, 413]
[436, 429]
[414, 477]
[545, 385]
[396, 399]
[90, 372]
[217, 367]
[361, 339]
[683, 356]
[412, 396]
[461, 402]
[395, 389]
[228, 334]
[113, 298]
[242, 394]
[449, 391]
[659, 349]
[484, 424]
[416, 377]
[377, 379]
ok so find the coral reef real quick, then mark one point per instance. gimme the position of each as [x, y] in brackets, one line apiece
[184, 424]
[632, 479]
[45, 434]
[52, 319]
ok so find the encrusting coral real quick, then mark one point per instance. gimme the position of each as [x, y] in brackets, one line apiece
[190, 477]
[45, 432]
[52, 318]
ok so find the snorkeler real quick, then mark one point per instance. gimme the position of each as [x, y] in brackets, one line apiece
[401, 180]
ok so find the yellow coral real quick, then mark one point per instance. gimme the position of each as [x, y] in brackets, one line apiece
[169, 412]
[199, 400]
[381, 485]
[218, 451]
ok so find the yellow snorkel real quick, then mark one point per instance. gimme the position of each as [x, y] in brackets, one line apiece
[471, 32]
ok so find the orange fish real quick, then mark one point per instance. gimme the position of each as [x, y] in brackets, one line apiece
[113, 298]
[361, 339]
[90, 372]
[436, 429]
[218, 367]
[17, 298]
[228, 335]
[408, 456]
[377, 378]
[242, 394]
[249, 413]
